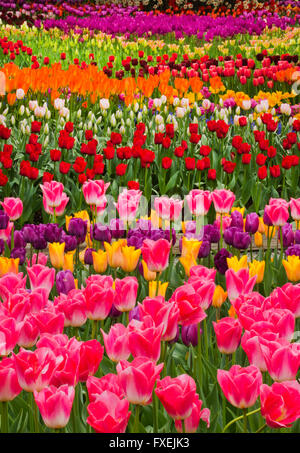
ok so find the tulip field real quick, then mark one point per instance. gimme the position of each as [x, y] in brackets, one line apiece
[150, 216]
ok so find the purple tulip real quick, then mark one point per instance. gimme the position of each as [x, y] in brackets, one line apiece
[88, 256]
[101, 233]
[220, 260]
[4, 219]
[241, 240]
[19, 252]
[252, 223]
[64, 282]
[189, 334]
[237, 220]
[53, 232]
[117, 228]
[78, 228]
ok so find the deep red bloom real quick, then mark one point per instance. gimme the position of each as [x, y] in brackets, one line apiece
[275, 171]
[64, 167]
[55, 155]
[166, 162]
[211, 174]
[229, 166]
[47, 177]
[261, 159]
[262, 172]
[121, 169]
[246, 158]
[79, 164]
[69, 127]
[190, 163]
[133, 185]
[179, 151]
[116, 138]
[170, 130]
[36, 126]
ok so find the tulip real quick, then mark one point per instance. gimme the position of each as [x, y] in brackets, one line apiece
[99, 261]
[13, 208]
[125, 293]
[10, 283]
[288, 297]
[203, 272]
[73, 306]
[223, 200]
[236, 264]
[64, 282]
[78, 227]
[295, 208]
[149, 276]
[91, 354]
[278, 213]
[189, 334]
[128, 204]
[238, 283]
[240, 385]
[4, 220]
[161, 291]
[60, 209]
[292, 268]
[177, 395]
[283, 363]
[145, 338]
[168, 208]
[130, 258]
[48, 321]
[255, 344]
[56, 252]
[8, 335]
[52, 193]
[280, 403]
[190, 247]
[68, 259]
[116, 343]
[188, 302]
[156, 254]
[99, 299]
[188, 262]
[257, 268]
[41, 277]
[34, 368]
[114, 252]
[163, 314]
[199, 201]
[108, 413]
[228, 334]
[9, 384]
[252, 223]
[219, 296]
[28, 332]
[9, 265]
[96, 386]
[137, 379]
[55, 405]
[192, 422]
[100, 233]
[94, 192]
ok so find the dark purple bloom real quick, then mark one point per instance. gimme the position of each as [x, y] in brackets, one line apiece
[220, 260]
[53, 232]
[117, 228]
[204, 250]
[293, 250]
[189, 334]
[70, 242]
[237, 220]
[29, 233]
[64, 282]
[19, 252]
[18, 240]
[297, 236]
[101, 233]
[78, 228]
[88, 256]
[4, 219]
[114, 313]
[229, 234]
[267, 220]
[252, 223]
[241, 240]
[287, 235]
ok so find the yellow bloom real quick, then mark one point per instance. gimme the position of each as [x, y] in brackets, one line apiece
[100, 261]
[258, 239]
[292, 268]
[131, 257]
[272, 231]
[187, 262]
[162, 288]
[257, 268]
[236, 264]
[261, 226]
[148, 275]
[232, 312]
[9, 265]
[190, 246]
[114, 252]
[219, 296]
[56, 253]
[68, 261]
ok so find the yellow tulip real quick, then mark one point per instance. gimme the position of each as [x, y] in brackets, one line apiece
[219, 296]
[190, 246]
[162, 288]
[257, 268]
[56, 253]
[9, 265]
[236, 264]
[100, 261]
[187, 262]
[258, 239]
[232, 312]
[69, 261]
[261, 226]
[292, 268]
[148, 275]
[272, 231]
[114, 252]
[131, 257]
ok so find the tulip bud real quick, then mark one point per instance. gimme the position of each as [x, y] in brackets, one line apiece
[27, 130]
[122, 130]
[89, 115]
[161, 128]
[89, 125]
[78, 113]
[108, 131]
[21, 110]
[98, 121]
[48, 115]
[113, 121]
[139, 117]
[46, 129]
[5, 112]
[238, 110]
[136, 107]
[128, 122]
[12, 120]
[131, 115]
[119, 114]
[46, 140]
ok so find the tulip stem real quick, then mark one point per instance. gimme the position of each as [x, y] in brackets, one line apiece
[245, 420]
[94, 329]
[240, 418]
[35, 414]
[205, 338]
[137, 416]
[261, 429]
[281, 246]
[4, 417]
[199, 358]
[155, 417]
[221, 230]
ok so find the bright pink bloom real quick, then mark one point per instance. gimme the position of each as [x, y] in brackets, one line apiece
[156, 254]
[96, 386]
[49, 321]
[137, 379]
[240, 385]
[99, 296]
[204, 288]
[6, 234]
[55, 405]
[9, 384]
[116, 343]
[60, 209]
[238, 283]
[73, 306]
[288, 297]
[8, 335]
[125, 293]
[94, 191]
[255, 345]
[223, 200]
[91, 353]
[228, 333]
[145, 338]
[203, 272]
[42, 259]
[163, 313]
[52, 193]
[41, 277]
[54, 342]
[128, 204]
[168, 208]
[283, 363]
[13, 208]
[295, 208]
[199, 201]
[177, 395]
[28, 332]
[10, 283]
[280, 403]
[278, 213]
[192, 422]
[283, 322]
[188, 302]
[108, 413]
[34, 368]
[67, 366]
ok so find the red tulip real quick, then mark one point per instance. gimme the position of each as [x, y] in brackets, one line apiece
[280, 403]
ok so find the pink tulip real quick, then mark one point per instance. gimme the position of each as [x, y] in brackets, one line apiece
[41, 277]
[145, 338]
[188, 302]
[34, 368]
[253, 298]
[223, 200]
[240, 385]
[177, 395]
[8, 335]
[73, 306]
[199, 201]
[125, 293]
[49, 322]
[137, 379]
[67, 367]
[203, 272]
[192, 422]
[287, 297]
[255, 345]
[94, 191]
[163, 313]
[280, 403]
[28, 332]
[168, 208]
[17, 305]
[41, 258]
[10, 283]
[60, 209]
[108, 413]
[99, 296]
[283, 322]
[238, 283]
[91, 354]
[283, 363]
[128, 204]
[52, 193]
[55, 405]
[204, 288]
[278, 213]
[54, 342]
[228, 333]
[13, 208]
[116, 343]
[9, 384]
[295, 208]
[156, 254]
[96, 386]
[6, 234]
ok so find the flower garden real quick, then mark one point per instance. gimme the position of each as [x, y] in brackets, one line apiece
[150, 217]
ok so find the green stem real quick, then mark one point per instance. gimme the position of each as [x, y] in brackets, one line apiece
[245, 420]
[4, 417]
[35, 414]
[199, 358]
[261, 429]
[137, 416]
[155, 414]
[240, 418]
